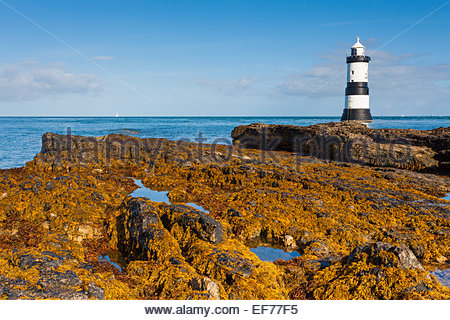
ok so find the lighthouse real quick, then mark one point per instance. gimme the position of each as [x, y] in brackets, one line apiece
[357, 92]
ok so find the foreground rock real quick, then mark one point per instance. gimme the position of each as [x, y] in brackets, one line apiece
[378, 253]
[187, 243]
[70, 229]
[51, 283]
[371, 271]
[418, 150]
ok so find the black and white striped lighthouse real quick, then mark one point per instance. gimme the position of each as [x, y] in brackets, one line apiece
[357, 91]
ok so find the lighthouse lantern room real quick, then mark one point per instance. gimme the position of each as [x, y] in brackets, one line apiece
[357, 91]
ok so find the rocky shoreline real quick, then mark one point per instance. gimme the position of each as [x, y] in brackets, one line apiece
[417, 150]
[362, 232]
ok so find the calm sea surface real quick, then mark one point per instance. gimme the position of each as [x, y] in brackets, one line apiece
[20, 137]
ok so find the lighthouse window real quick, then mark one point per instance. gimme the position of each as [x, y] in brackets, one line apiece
[353, 71]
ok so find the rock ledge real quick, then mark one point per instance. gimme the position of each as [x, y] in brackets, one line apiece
[417, 150]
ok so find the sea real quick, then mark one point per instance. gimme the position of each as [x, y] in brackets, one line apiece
[20, 137]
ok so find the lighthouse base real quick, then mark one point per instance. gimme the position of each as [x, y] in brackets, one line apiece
[359, 115]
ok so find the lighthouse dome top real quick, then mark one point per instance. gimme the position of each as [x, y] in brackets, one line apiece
[358, 44]
[358, 49]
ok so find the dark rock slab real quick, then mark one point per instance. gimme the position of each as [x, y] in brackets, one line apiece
[204, 226]
[233, 263]
[137, 225]
[417, 150]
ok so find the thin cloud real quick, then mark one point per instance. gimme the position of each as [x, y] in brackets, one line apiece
[102, 58]
[387, 71]
[319, 81]
[230, 87]
[30, 81]
[395, 81]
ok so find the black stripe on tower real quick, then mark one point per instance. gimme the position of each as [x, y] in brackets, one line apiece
[356, 88]
[356, 115]
[351, 59]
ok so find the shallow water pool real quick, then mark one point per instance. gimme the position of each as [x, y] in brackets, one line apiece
[271, 254]
[159, 196]
[443, 276]
[106, 258]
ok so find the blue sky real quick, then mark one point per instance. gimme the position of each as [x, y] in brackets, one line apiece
[220, 57]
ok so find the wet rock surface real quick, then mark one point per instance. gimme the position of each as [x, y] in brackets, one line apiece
[203, 225]
[363, 233]
[208, 285]
[48, 282]
[378, 253]
[418, 150]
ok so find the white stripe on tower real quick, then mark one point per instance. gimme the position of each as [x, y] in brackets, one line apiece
[357, 91]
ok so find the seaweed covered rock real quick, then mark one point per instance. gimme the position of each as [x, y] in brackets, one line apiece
[241, 273]
[206, 284]
[380, 253]
[47, 278]
[203, 225]
[371, 271]
[186, 243]
[141, 234]
[68, 222]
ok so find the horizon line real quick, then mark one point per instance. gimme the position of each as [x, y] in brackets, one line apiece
[205, 116]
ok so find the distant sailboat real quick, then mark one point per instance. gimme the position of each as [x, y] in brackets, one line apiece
[117, 114]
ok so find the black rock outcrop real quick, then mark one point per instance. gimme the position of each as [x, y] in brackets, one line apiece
[417, 150]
